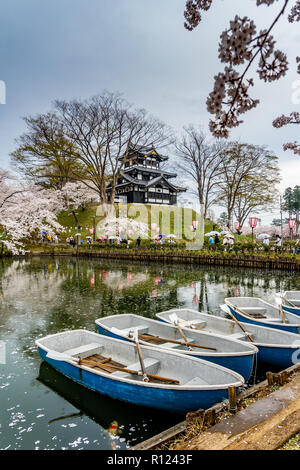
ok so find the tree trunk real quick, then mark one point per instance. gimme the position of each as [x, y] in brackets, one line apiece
[202, 225]
[76, 219]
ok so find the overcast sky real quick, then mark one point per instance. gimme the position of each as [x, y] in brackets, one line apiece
[68, 49]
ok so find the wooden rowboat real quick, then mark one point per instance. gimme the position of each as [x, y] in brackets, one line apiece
[276, 347]
[111, 367]
[259, 312]
[233, 354]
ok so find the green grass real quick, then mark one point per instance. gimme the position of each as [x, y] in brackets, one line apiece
[168, 218]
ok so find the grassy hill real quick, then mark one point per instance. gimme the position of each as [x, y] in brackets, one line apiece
[168, 218]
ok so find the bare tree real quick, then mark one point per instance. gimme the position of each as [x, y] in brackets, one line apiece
[202, 162]
[249, 176]
[102, 130]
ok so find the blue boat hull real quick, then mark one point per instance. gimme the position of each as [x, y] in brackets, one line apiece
[281, 357]
[243, 365]
[277, 326]
[294, 310]
[179, 401]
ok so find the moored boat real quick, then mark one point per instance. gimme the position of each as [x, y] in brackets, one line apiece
[109, 366]
[227, 352]
[275, 347]
[259, 312]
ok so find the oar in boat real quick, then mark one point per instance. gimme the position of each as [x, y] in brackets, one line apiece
[167, 340]
[105, 367]
[138, 347]
[226, 309]
[239, 310]
[175, 321]
[288, 301]
[281, 313]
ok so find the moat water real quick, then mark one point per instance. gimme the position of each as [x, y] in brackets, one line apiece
[40, 408]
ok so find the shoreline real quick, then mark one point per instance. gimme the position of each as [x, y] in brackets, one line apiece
[244, 261]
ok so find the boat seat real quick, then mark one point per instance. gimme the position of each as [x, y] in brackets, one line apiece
[192, 323]
[171, 345]
[141, 329]
[260, 310]
[195, 381]
[190, 340]
[238, 336]
[151, 366]
[85, 350]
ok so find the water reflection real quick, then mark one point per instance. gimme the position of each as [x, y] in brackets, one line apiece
[132, 423]
[47, 295]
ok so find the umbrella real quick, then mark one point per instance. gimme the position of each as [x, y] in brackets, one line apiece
[212, 233]
[88, 237]
[112, 237]
[229, 235]
[77, 234]
[161, 235]
[263, 235]
[171, 235]
[224, 232]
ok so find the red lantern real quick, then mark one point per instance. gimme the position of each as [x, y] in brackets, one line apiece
[253, 222]
[292, 223]
[91, 231]
[195, 224]
[237, 225]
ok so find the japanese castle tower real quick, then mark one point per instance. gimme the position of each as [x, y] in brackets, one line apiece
[143, 181]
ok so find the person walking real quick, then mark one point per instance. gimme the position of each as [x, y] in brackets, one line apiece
[217, 240]
[211, 242]
[138, 242]
[278, 243]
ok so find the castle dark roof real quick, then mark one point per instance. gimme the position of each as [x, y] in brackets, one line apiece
[148, 183]
[144, 151]
[148, 170]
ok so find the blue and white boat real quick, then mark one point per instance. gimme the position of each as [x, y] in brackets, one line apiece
[275, 347]
[290, 301]
[227, 352]
[182, 383]
[259, 312]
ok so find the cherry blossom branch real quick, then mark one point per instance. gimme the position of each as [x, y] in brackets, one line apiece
[240, 44]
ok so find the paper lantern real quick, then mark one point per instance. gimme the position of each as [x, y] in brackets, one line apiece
[292, 223]
[253, 222]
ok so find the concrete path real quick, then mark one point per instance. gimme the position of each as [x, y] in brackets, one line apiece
[263, 425]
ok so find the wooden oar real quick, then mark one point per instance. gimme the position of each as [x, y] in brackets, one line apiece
[167, 340]
[109, 367]
[138, 347]
[288, 301]
[239, 310]
[241, 326]
[57, 356]
[282, 314]
[183, 336]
